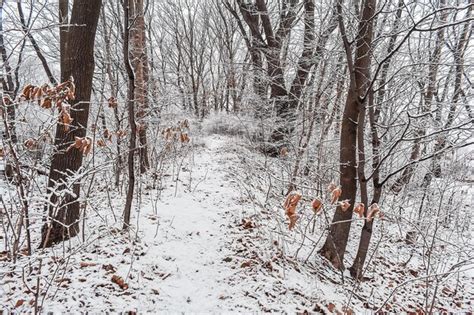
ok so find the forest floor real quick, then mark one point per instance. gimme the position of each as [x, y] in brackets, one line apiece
[175, 258]
[198, 244]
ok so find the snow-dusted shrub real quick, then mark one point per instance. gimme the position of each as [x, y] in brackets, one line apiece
[230, 124]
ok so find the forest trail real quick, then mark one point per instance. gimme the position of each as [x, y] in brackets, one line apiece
[175, 263]
[194, 220]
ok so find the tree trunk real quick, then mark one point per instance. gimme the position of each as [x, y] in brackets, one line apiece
[356, 269]
[131, 117]
[366, 235]
[63, 32]
[139, 61]
[7, 85]
[77, 61]
[336, 241]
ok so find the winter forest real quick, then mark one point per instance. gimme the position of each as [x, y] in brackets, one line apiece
[216, 156]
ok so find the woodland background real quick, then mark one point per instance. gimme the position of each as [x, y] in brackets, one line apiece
[338, 135]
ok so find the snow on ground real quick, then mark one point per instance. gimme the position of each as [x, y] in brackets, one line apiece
[176, 263]
[198, 244]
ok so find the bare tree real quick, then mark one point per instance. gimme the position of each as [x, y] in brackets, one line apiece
[78, 63]
[131, 114]
[359, 69]
[139, 61]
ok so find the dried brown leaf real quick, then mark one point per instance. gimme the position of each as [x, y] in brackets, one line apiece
[85, 264]
[19, 303]
[120, 282]
[373, 210]
[359, 209]
[290, 207]
[112, 101]
[317, 205]
[335, 194]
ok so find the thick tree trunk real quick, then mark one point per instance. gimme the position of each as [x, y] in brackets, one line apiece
[336, 241]
[367, 229]
[77, 62]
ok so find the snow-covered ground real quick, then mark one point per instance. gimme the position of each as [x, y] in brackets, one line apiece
[200, 244]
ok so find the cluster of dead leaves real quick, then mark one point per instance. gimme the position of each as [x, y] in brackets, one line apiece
[21, 302]
[65, 116]
[291, 202]
[107, 136]
[176, 133]
[359, 209]
[46, 96]
[333, 309]
[373, 210]
[32, 143]
[104, 139]
[83, 144]
[109, 269]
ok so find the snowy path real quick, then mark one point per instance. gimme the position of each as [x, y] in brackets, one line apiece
[202, 247]
[177, 264]
[192, 232]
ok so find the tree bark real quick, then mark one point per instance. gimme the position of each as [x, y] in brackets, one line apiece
[7, 84]
[139, 61]
[63, 32]
[77, 61]
[336, 241]
[356, 269]
[131, 116]
[366, 234]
